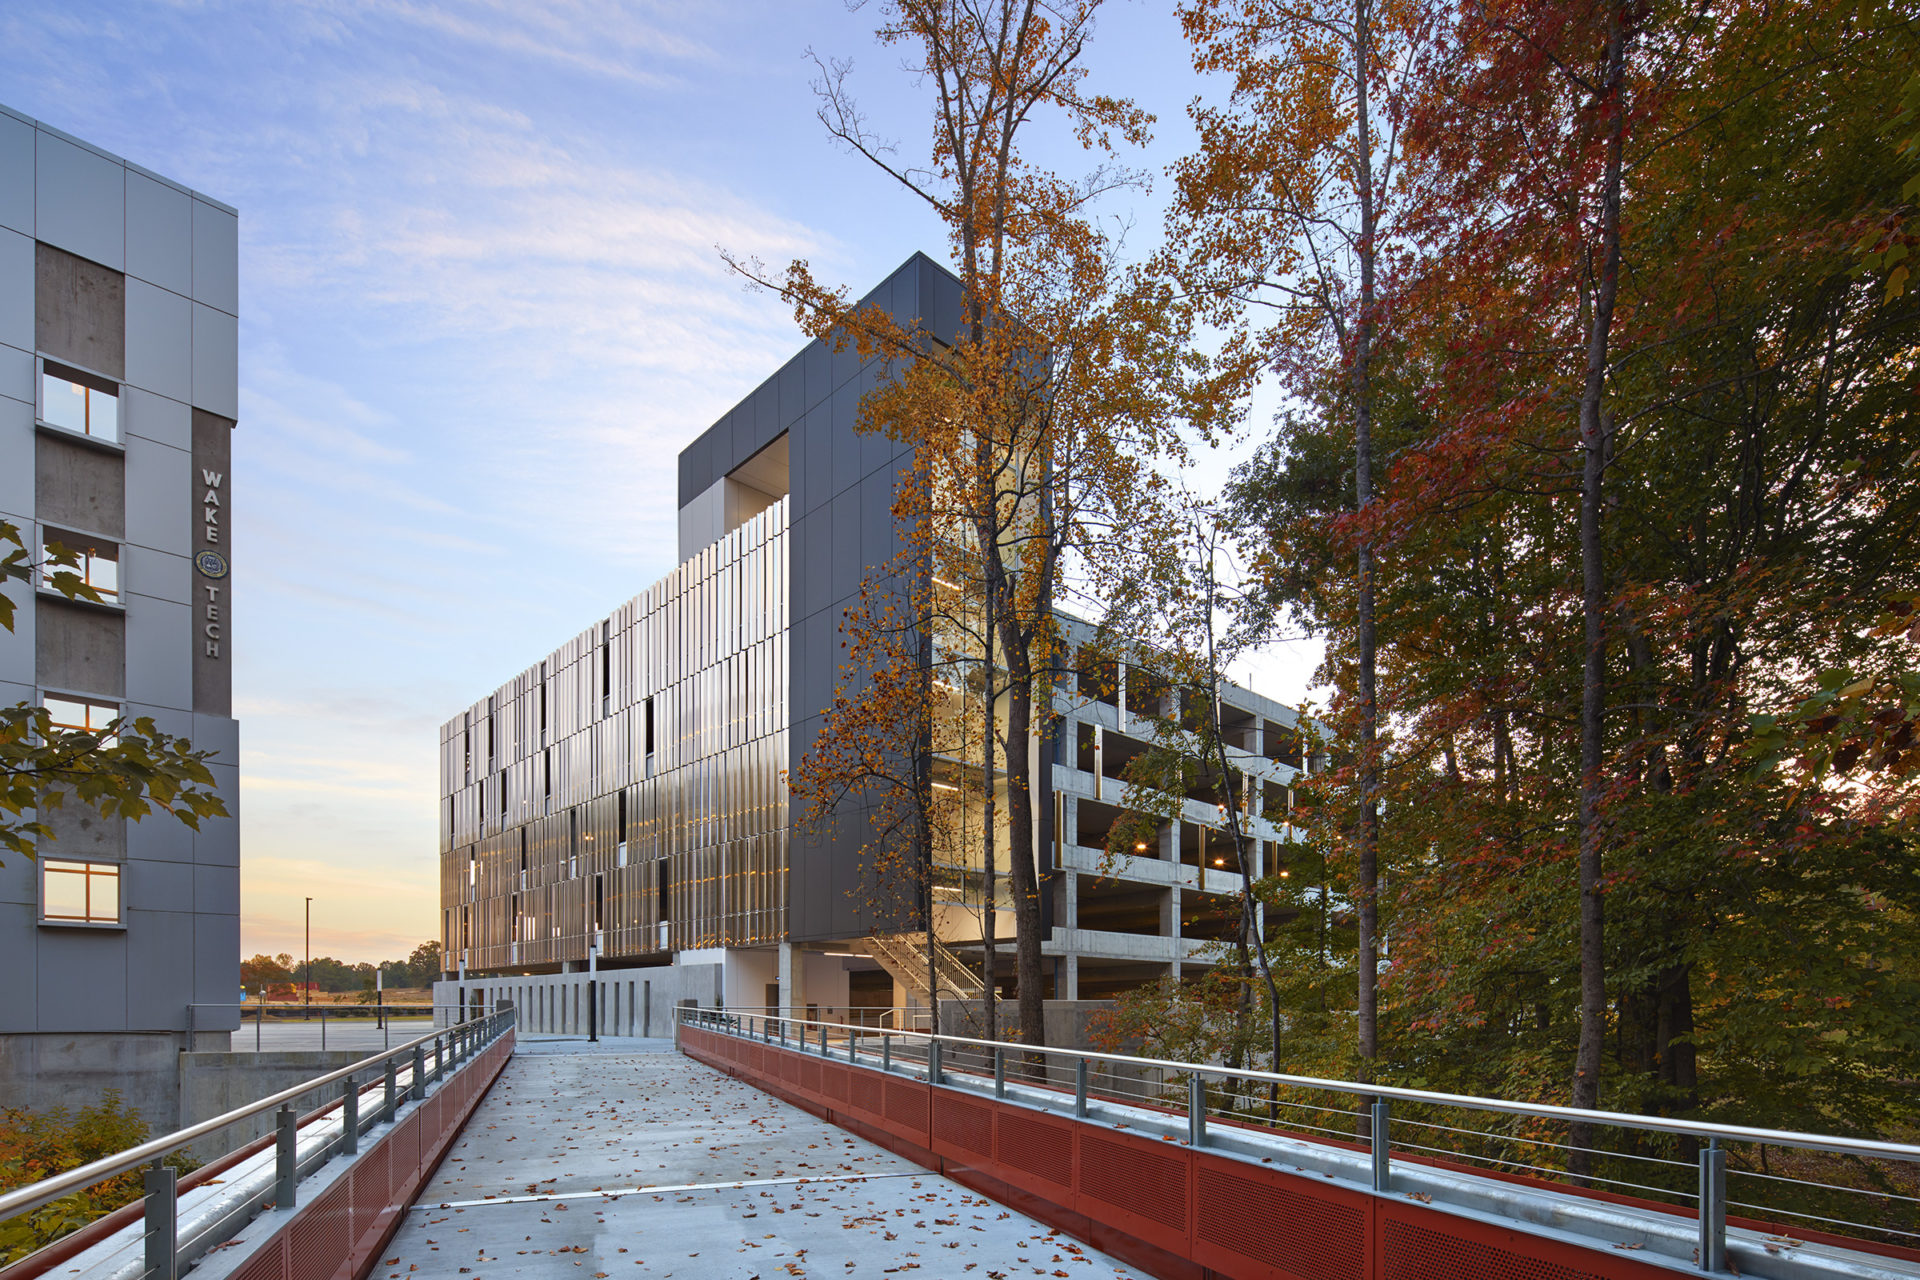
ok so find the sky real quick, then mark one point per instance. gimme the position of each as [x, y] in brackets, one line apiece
[482, 308]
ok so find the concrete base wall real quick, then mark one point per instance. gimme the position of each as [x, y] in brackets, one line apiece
[44, 1070]
[212, 1084]
[159, 1076]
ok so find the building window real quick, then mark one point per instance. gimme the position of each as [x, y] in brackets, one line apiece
[95, 563]
[79, 892]
[75, 402]
[82, 715]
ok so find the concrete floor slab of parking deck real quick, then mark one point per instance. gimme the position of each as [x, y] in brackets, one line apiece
[606, 1160]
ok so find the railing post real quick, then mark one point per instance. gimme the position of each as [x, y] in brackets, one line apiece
[393, 1089]
[350, 1116]
[419, 1089]
[1080, 1087]
[1713, 1207]
[287, 1157]
[823, 1042]
[933, 1062]
[1196, 1111]
[1382, 1172]
[886, 1052]
[163, 1223]
[999, 1073]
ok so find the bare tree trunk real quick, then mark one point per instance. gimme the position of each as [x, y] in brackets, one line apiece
[989, 933]
[1024, 876]
[1593, 449]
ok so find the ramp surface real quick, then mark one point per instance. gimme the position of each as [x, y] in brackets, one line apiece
[627, 1160]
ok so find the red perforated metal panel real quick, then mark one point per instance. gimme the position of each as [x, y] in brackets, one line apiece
[318, 1240]
[1415, 1251]
[406, 1149]
[269, 1264]
[962, 1126]
[1142, 1181]
[833, 1081]
[1040, 1148]
[810, 1075]
[907, 1107]
[1294, 1227]
[869, 1096]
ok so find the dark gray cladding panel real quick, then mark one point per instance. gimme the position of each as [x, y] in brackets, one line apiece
[918, 289]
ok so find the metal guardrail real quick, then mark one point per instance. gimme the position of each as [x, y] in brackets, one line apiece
[1395, 1124]
[401, 1073]
[380, 1015]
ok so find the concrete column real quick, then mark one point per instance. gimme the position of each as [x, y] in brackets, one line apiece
[1173, 908]
[1069, 900]
[791, 1003]
[1259, 873]
[1067, 977]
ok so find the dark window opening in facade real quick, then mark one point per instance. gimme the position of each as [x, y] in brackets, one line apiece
[606, 672]
[599, 902]
[573, 843]
[666, 892]
[620, 828]
[546, 778]
[503, 797]
[493, 750]
[647, 716]
[96, 563]
[79, 892]
[79, 402]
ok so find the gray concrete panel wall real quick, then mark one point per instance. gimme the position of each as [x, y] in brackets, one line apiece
[79, 487]
[81, 649]
[80, 311]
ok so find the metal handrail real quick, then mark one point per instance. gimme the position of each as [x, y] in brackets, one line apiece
[1536, 1110]
[36, 1194]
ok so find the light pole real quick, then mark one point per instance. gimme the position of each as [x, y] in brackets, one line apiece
[306, 985]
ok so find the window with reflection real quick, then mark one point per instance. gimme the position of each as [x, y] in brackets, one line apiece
[78, 403]
[79, 892]
[82, 715]
[95, 563]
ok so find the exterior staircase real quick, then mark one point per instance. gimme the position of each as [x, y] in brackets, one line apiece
[904, 956]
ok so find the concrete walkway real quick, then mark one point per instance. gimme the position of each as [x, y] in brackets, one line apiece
[624, 1159]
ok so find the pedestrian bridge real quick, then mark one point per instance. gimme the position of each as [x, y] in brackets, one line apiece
[769, 1147]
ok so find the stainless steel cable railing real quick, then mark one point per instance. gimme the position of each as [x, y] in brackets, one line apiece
[394, 1076]
[1865, 1188]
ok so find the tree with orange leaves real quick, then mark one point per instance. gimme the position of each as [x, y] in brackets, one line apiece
[1037, 424]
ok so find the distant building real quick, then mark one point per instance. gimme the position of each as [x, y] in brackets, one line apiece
[625, 794]
[120, 945]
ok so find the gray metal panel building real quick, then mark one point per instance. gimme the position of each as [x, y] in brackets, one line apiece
[118, 291]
